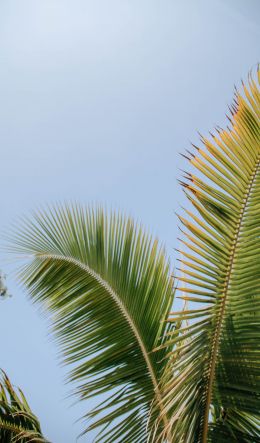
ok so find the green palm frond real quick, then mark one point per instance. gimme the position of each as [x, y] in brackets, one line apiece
[216, 355]
[17, 422]
[233, 425]
[108, 287]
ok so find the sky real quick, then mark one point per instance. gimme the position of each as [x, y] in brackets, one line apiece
[98, 98]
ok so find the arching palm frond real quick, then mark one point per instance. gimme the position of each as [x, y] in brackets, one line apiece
[17, 422]
[109, 289]
[213, 394]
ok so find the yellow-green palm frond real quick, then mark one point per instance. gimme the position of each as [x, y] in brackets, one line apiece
[108, 287]
[17, 422]
[216, 356]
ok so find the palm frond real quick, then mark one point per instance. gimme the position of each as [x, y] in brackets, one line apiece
[234, 426]
[218, 354]
[109, 290]
[17, 422]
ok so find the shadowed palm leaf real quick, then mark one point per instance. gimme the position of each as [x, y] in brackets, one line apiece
[17, 422]
[109, 289]
[213, 392]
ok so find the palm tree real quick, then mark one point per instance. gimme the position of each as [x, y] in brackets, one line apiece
[17, 422]
[188, 376]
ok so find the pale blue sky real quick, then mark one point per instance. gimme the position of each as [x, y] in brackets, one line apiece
[97, 100]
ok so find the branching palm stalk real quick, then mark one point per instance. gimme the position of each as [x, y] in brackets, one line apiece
[17, 422]
[109, 291]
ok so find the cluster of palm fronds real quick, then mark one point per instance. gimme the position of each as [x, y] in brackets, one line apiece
[185, 377]
[17, 422]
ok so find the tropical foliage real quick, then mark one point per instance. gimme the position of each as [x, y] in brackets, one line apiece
[17, 422]
[109, 290]
[216, 370]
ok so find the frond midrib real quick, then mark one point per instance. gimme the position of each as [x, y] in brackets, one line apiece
[217, 333]
[8, 426]
[125, 313]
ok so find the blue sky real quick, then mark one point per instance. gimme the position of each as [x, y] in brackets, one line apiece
[97, 100]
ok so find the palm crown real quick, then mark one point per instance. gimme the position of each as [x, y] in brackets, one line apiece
[18, 424]
[186, 376]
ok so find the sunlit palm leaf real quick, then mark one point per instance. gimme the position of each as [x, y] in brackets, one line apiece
[17, 422]
[109, 289]
[218, 362]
